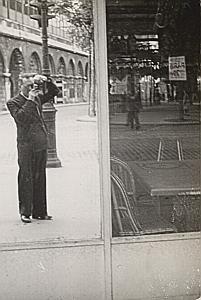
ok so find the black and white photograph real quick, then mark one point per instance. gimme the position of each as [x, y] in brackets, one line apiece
[100, 170]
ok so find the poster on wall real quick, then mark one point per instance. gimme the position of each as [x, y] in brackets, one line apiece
[177, 68]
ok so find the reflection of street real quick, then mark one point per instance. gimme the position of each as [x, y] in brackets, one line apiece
[159, 124]
[144, 144]
[73, 190]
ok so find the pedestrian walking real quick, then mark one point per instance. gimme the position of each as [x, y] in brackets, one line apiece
[133, 108]
[32, 143]
[186, 102]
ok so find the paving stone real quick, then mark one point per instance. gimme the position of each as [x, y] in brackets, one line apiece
[144, 144]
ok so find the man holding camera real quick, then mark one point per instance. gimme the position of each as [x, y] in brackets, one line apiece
[32, 143]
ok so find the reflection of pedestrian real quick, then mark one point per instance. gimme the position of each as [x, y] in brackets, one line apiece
[157, 96]
[133, 108]
[26, 109]
[186, 103]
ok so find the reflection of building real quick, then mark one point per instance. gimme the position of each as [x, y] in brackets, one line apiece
[20, 52]
[133, 59]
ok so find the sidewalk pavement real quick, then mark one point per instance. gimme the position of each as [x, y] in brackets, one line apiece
[73, 189]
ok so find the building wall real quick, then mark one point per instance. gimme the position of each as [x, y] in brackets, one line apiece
[153, 268]
[157, 268]
[21, 52]
[19, 12]
[42, 273]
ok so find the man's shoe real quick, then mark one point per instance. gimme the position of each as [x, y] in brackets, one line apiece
[25, 219]
[42, 217]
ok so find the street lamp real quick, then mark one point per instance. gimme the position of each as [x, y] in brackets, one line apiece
[49, 110]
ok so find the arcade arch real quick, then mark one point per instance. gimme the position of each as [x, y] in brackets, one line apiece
[35, 63]
[61, 69]
[16, 67]
[2, 85]
[71, 68]
[80, 69]
[71, 80]
[60, 77]
[80, 81]
[86, 71]
[52, 65]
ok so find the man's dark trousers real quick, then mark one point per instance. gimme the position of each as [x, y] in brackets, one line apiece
[133, 115]
[32, 181]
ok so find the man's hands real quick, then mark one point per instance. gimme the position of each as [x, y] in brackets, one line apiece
[43, 89]
[34, 95]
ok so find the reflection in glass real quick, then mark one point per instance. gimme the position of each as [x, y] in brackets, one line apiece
[154, 121]
[73, 190]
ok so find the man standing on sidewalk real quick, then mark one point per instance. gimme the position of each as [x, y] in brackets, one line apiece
[32, 141]
[133, 108]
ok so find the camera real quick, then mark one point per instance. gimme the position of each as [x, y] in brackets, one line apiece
[39, 82]
[45, 85]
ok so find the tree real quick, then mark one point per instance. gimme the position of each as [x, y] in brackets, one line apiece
[79, 19]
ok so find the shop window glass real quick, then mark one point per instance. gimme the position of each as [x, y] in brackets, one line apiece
[26, 7]
[33, 10]
[72, 93]
[12, 4]
[155, 155]
[19, 6]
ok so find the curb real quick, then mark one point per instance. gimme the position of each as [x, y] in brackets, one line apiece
[70, 104]
[159, 123]
[57, 106]
[4, 112]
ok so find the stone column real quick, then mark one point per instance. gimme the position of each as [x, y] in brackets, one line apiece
[76, 82]
[7, 89]
[86, 91]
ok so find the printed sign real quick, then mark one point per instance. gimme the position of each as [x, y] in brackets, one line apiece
[177, 68]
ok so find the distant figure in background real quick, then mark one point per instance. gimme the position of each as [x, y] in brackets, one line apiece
[133, 108]
[32, 143]
[157, 96]
[186, 102]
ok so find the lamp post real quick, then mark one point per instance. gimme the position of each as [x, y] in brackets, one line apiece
[49, 111]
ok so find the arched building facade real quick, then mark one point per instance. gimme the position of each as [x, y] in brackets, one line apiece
[66, 69]
[21, 52]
